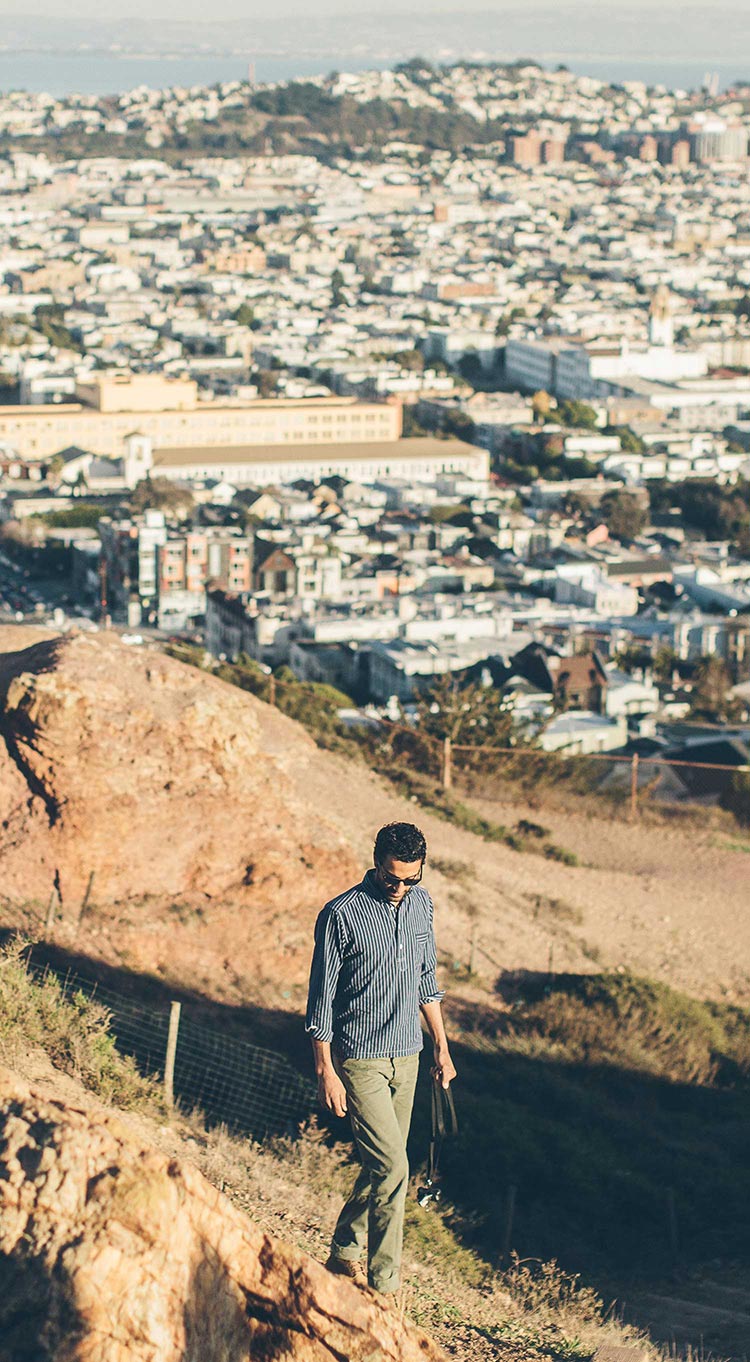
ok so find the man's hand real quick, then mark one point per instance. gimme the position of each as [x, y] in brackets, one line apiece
[331, 1092]
[443, 1069]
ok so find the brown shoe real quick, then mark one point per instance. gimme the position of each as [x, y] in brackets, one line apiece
[348, 1267]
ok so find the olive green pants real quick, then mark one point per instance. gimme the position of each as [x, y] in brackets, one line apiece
[380, 1096]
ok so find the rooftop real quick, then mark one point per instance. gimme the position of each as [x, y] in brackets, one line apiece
[408, 449]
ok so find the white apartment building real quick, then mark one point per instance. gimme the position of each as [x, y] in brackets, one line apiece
[584, 584]
[588, 372]
[403, 667]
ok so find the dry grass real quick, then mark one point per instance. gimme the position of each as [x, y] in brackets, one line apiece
[72, 1030]
[553, 909]
[531, 1312]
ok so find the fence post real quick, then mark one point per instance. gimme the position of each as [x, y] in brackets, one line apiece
[54, 899]
[447, 772]
[174, 1026]
[634, 787]
[473, 949]
[510, 1210]
[86, 897]
[674, 1241]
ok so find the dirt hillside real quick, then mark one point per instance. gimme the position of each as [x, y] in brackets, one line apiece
[215, 829]
[175, 792]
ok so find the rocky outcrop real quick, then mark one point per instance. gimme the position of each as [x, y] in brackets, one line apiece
[111, 1252]
[181, 795]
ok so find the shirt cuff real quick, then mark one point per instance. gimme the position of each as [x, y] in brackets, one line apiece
[319, 1032]
[433, 998]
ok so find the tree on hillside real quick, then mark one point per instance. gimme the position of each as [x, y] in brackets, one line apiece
[709, 698]
[575, 505]
[470, 367]
[471, 715]
[541, 405]
[665, 661]
[55, 469]
[412, 427]
[630, 442]
[633, 656]
[337, 289]
[623, 514]
[720, 512]
[412, 360]
[266, 383]
[159, 494]
[580, 414]
[458, 424]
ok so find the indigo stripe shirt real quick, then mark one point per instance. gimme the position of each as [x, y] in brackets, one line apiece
[373, 966]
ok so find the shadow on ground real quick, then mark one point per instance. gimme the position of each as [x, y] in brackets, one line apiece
[640, 1184]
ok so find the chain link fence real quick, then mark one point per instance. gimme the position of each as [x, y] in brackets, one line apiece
[249, 1089]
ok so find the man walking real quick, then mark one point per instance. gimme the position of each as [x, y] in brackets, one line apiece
[373, 970]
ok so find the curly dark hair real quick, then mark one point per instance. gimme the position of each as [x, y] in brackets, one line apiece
[402, 841]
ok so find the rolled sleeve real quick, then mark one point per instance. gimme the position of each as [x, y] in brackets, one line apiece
[324, 973]
[429, 992]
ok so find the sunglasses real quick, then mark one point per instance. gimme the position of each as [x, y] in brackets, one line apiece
[393, 881]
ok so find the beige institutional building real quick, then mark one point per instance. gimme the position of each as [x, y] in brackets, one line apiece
[114, 405]
[260, 465]
[150, 424]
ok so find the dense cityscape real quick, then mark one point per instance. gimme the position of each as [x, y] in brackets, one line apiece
[391, 375]
[375, 683]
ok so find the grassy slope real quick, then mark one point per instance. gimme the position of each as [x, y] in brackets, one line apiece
[293, 1188]
[606, 1101]
[590, 1097]
[615, 1107]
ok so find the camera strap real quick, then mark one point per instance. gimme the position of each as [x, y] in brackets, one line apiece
[443, 1122]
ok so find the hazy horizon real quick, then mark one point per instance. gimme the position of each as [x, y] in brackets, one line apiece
[48, 46]
[255, 9]
[676, 29]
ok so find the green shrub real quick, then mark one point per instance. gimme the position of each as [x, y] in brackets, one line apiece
[736, 798]
[636, 1024]
[561, 854]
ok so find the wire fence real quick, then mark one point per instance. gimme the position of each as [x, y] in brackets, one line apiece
[621, 784]
[249, 1089]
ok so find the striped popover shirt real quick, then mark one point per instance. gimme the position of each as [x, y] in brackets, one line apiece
[373, 966]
